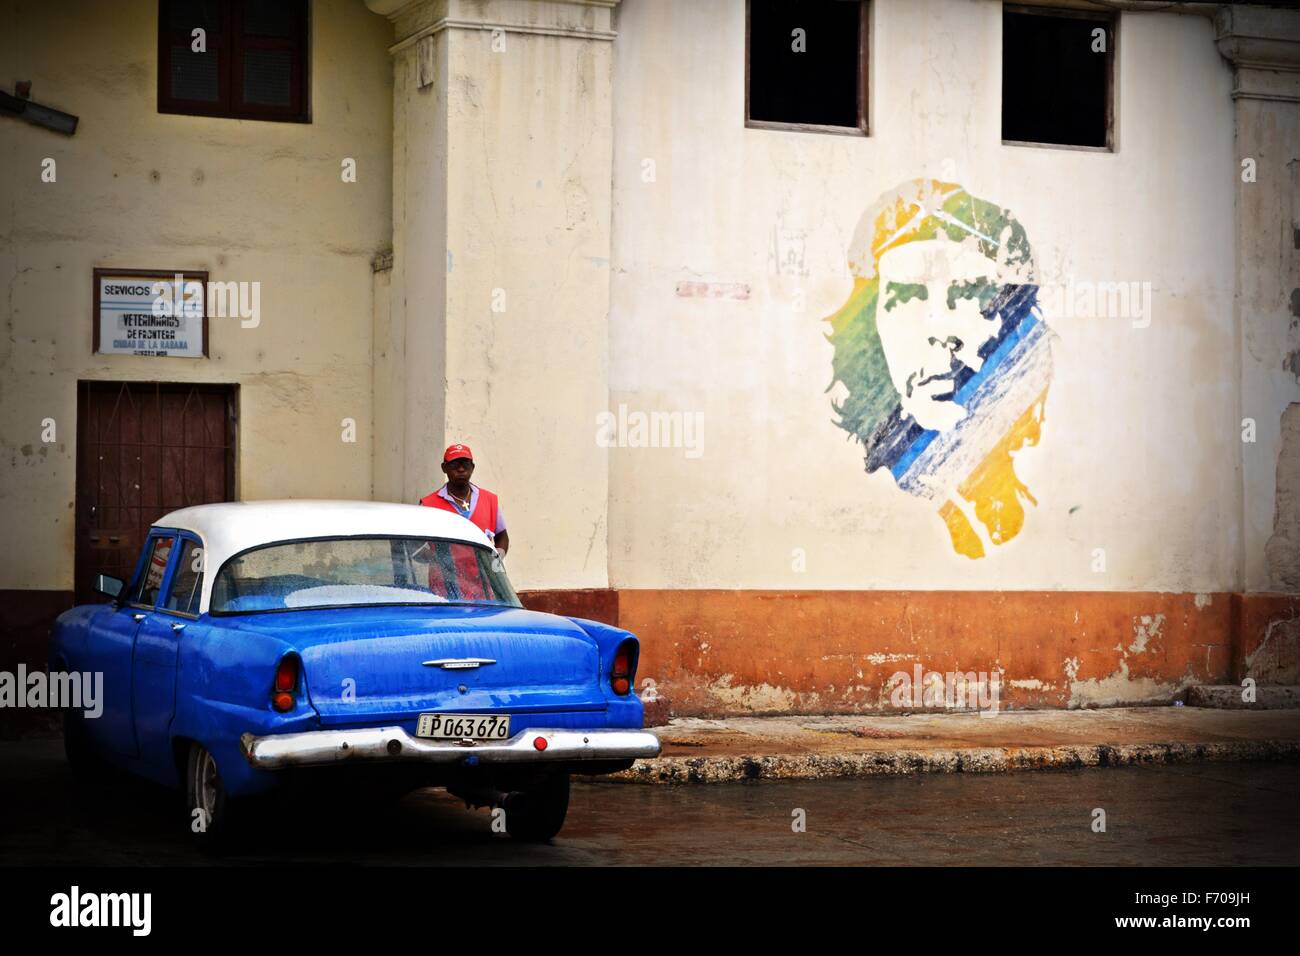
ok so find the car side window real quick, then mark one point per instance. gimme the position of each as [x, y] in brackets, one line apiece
[146, 589]
[187, 581]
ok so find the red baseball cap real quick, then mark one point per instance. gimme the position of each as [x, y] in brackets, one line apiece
[457, 451]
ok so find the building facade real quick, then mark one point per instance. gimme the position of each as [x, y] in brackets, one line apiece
[686, 314]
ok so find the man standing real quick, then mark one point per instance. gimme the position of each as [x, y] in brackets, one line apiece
[468, 500]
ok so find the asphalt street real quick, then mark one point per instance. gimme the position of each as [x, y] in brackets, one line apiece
[1197, 814]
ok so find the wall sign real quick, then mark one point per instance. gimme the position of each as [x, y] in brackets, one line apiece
[151, 312]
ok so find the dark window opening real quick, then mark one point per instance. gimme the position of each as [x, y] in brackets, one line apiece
[806, 64]
[1057, 77]
[253, 65]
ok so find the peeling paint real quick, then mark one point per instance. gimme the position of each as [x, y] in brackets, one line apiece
[1032, 683]
[1120, 687]
[1282, 550]
[855, 641]
[1277, 659]
[1202, 601]
[713, 290]
[754, 699]
[1146, 627]
[1291, 363]
[888, 658]
[1071, 665]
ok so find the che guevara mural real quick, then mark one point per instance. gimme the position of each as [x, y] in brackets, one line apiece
[945, 356]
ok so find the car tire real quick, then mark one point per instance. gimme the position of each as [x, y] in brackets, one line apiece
[86, 763]
[208, 809]
[537, 814]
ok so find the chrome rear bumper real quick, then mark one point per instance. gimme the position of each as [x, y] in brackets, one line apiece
[320, 747]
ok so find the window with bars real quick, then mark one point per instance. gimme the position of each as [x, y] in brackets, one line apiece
[240, 59]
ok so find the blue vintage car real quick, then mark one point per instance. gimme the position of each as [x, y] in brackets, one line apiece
[261, 643]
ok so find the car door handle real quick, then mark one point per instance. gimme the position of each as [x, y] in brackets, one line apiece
[138, 617]
[178, 626]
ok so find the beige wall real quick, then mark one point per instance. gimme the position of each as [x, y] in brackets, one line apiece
[500, 283]
[498, 176]
[246, 201]
[1140, 447]
[1268, 213]
[1270, 343]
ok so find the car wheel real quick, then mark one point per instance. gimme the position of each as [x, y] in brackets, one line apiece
[82, 757]
[537, 814]
[205, 799]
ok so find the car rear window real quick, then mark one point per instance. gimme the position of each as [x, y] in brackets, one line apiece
[351, 572]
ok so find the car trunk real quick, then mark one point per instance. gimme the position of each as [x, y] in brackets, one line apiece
[367, 665]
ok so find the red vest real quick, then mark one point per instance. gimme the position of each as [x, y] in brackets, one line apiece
[484, 514]
[484, 517]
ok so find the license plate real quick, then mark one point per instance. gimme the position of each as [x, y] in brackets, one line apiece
[461, 726]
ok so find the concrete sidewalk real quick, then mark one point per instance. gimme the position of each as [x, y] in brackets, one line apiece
[698, 750]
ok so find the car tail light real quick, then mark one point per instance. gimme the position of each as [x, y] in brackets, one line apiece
[286, 680]
[620, 678]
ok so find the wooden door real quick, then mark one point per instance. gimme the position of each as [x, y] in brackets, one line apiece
[144, 449]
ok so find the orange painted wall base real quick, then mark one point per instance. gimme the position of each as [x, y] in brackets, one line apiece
[731, 652]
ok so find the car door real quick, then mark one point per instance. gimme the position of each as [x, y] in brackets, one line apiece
[157, 647]
[110, 647]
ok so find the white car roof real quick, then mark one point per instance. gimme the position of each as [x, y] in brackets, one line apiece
[231, 527]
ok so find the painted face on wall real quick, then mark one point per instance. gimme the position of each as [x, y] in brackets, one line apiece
[944, 357]
[930, 317]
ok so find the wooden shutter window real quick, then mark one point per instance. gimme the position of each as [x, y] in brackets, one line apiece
[255, 65]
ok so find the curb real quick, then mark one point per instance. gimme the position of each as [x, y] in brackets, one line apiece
[1228, 697]
[829, 766]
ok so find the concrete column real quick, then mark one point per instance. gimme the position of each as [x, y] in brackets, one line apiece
[1263, 46]
[499, 296]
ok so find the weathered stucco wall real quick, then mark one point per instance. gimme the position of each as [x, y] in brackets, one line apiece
[1283, 548]
[246, 201]
[1267, 306]
[836, 651]
[730, 254]
[583, 232]
[714, 652]
[501, 264]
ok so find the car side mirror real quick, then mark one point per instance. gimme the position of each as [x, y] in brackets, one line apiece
[109, 585]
